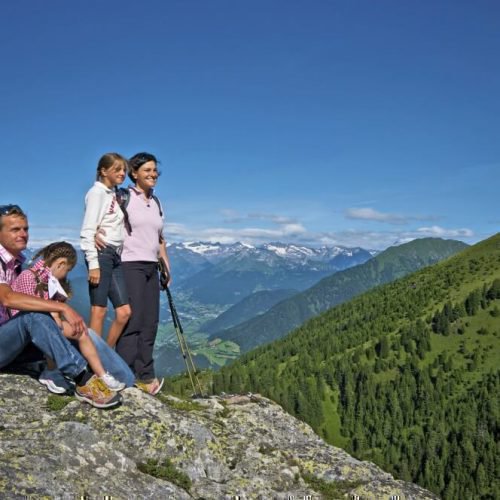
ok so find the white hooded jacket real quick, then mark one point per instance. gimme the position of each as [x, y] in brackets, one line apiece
[101, 212]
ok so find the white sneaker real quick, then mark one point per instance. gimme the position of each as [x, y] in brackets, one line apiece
[51, 386]
[112, 383]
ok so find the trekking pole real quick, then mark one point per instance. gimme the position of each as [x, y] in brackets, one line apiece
[186, 353]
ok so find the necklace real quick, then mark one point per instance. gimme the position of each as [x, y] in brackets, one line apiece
[143, 195]
[145, 198]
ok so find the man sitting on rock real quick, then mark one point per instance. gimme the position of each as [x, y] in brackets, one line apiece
[35, 324]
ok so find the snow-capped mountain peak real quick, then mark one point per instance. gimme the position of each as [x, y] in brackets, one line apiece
[293, 254]
[289, 250]
[211, 251]
[201, 247]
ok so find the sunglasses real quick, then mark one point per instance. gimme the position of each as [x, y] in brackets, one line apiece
[11, 209]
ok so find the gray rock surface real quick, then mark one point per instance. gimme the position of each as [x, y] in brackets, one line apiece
[244, 446]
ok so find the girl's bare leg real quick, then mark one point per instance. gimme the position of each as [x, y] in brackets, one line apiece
[89, 352]
[122, 316]
[97, 315]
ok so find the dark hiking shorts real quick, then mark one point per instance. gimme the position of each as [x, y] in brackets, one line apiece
[112, 283]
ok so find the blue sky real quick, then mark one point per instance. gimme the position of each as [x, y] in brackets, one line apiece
[360, 123]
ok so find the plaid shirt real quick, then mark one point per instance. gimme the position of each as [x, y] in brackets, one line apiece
[27, 282]
[10, 267]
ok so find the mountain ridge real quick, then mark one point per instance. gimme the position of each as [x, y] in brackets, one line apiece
[330, 291]
[236, 274]
[406, 374]
[249, 307]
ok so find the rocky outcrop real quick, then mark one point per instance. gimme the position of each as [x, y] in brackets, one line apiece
[164, 447]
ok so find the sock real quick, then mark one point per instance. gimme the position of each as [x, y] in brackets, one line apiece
[84, 376]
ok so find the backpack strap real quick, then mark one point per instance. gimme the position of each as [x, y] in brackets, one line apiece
[17, 272]
[123, 198]
[40, 287]
[4, 267]
[159, 204]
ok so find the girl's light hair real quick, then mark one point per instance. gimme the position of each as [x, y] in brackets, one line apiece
[107, 161]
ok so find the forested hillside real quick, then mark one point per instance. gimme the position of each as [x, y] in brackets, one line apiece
[255, 304]
[406, 375]
[393, 263]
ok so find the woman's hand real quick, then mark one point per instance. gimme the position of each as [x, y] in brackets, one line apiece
[94, 276]
[165, 280]
[169, 281]
[165, 276]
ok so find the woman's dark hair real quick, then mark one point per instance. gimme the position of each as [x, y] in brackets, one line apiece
[137, 161]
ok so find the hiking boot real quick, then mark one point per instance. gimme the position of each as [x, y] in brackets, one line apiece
[152, 387]
[112, 383]
[96, 393]
[54, 381]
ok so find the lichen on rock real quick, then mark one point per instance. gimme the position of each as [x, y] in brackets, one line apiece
[247, 447]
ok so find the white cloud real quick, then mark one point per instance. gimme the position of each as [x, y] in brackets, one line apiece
[371, 214]
[441, 232]
[274, 227]
[233, 217]
[274, 218]
[298, 233]
[177, 231]
[230, 215]
[382, 239]
[294, 229]
[41, 236]
[251, 235]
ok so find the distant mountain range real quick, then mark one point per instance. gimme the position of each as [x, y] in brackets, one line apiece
[211, 277]
[387, 266]
[225, 274]
[215, 252]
